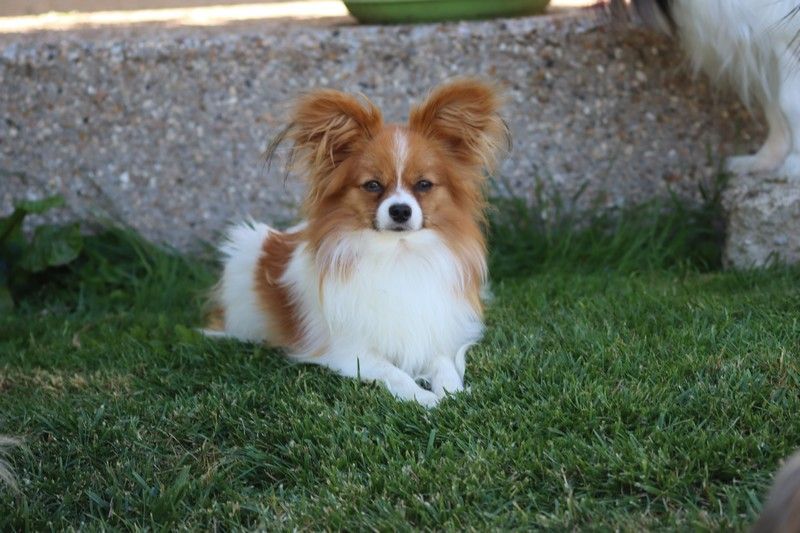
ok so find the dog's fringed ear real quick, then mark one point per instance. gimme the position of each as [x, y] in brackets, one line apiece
[464, 116]
[327, 126]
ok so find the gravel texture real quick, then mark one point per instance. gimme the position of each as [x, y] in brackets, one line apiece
[763, 222]
[165, 129]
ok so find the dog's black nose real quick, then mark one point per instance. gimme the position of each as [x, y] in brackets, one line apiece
[400, 212]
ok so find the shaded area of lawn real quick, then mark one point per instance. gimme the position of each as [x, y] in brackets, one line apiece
[623, 384]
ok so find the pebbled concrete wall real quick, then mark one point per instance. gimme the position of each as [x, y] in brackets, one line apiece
[165, 129]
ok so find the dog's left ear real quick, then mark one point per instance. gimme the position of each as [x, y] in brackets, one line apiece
[464, 116]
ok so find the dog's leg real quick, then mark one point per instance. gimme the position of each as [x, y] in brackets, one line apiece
[445, 378]
[790, 103]
[775, 148]
[369, 367]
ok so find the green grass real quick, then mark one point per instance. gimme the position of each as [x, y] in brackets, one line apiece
[624, 382]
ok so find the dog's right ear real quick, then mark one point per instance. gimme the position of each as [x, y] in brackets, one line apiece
[327, 127]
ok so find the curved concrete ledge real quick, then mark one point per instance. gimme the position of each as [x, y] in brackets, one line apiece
[763, 221]
[165, 130]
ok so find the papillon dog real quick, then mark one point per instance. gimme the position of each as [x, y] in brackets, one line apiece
[753, 45]
[383, 280]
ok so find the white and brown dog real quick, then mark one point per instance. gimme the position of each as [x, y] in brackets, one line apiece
[383, 279]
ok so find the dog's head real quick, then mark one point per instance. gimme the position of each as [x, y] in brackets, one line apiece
[426, 174]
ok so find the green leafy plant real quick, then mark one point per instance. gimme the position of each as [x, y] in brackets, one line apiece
[22, 258]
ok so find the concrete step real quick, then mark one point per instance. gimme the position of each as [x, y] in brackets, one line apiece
[763, 221]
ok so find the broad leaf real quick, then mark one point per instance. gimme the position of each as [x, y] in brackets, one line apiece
[52, 246]
[11, 226]
[40, 206]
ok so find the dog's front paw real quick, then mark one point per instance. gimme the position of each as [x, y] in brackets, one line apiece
[790, 168]
[426, 399]
[748, 164]
[411, 392]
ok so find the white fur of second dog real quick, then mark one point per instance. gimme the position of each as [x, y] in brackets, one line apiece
[398, 319]
[754, 46]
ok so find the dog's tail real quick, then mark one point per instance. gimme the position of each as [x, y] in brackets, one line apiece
[234, 309]
[7, 476]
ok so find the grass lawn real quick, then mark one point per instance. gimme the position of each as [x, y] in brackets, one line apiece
[624, 382]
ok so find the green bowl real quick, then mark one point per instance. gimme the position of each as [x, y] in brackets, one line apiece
[402, 11]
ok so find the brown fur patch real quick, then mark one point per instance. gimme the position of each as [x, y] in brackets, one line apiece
[275, 297]
[215, 319]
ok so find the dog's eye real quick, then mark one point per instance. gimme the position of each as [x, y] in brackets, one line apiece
[423, 185]
[372, 186]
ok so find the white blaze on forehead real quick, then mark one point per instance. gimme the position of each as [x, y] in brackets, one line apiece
[400, 153]
[399, 195]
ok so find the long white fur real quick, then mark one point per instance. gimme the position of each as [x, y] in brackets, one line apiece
[398, 315]
[752, 45]
[236, 292]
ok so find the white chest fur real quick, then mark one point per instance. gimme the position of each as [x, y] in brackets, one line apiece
[402, 300]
